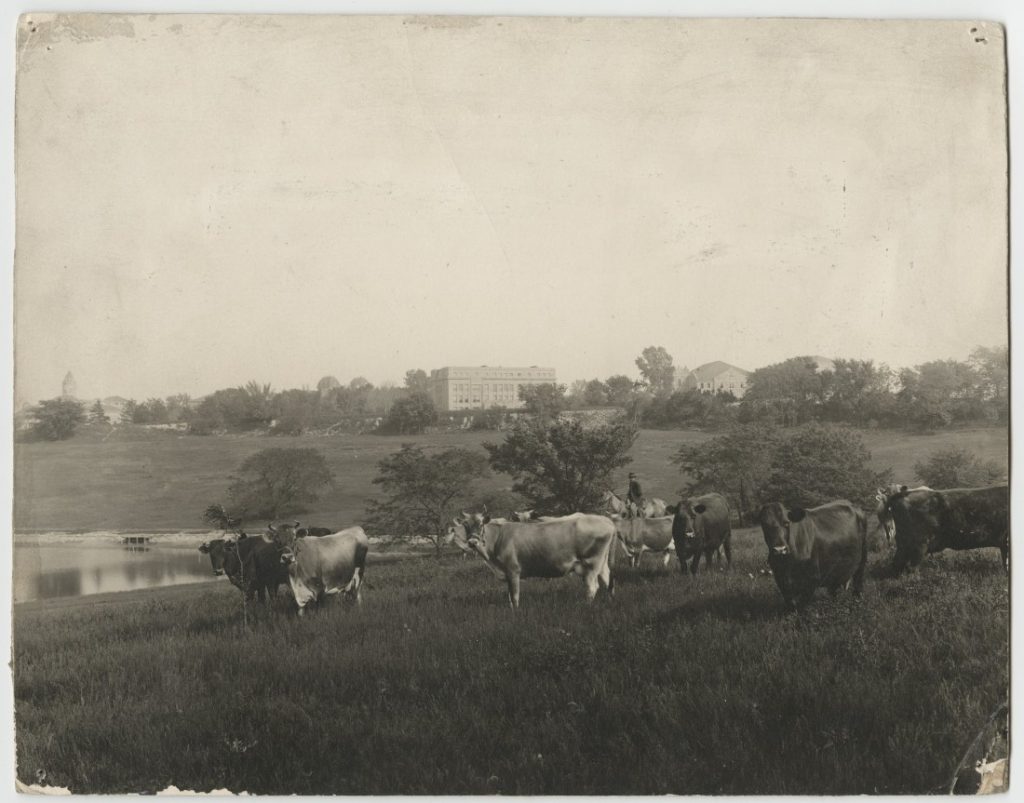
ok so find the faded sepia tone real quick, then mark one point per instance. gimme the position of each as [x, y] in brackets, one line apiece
[299, 298]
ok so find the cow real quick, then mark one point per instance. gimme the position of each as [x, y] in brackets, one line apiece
[826, 546]
[251, 564]
[330, 564]
[645, 535]
[930, 521]
[882, 508]
[313, 532]
[300, 531]
[579, 543]
[701, 525]
[653, 507]
[456, 534]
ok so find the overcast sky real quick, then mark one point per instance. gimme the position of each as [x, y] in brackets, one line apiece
[202, 201]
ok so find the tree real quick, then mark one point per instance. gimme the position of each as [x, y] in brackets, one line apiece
[595, 393]
[277, 481]
[992, 368]
[424, 491]
[360, 383]
[561, 465]
[417, 379]
[737, 464]
[56, 419]
[179, 408]
[411, 415]
[326, 384]
[97, 415]
[939, 393]
[786, 393]
[544, 400]
[819, 463]
[129, 412]
[295, 411]
[655, 365]
[856, 392]
[620, 390]
[958, 468]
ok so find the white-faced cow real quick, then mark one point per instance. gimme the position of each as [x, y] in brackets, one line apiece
[330, 564]
[824, 547]
[579, 543]
[699, 527]
[645, 535]
[960, 518]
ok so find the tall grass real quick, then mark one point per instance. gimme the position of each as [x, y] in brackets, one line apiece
[677, 685]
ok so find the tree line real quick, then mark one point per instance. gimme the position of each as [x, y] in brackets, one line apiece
[930, 396]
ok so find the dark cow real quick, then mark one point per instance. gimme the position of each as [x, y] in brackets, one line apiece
[251, 564]
[313, 532]
[826, 546]
[960, 518]
[701, 525]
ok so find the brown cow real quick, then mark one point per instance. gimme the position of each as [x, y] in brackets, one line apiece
[960, 518]
[826, 546]
[700, 526]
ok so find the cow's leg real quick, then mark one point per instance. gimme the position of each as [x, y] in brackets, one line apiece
[1004, 551]
[727, 548]
[667, 558]
[695, 564]
[591, 579]
[512, 579]
[605, 578]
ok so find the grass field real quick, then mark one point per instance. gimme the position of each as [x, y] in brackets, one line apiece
[158, 480]
[433, 686]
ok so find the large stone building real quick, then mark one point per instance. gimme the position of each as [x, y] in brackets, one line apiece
[715, 376]
[457, 388]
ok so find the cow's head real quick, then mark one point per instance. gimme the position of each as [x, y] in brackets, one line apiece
[473, 525]
[283, 533]
[219, 550]
[521, 515]
[775, 521]
[918, 514]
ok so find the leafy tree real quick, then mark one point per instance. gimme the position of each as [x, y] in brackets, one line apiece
[939, 393]
[424, 491]
[689, 408]
[574, 396]
[417, 379]
[958, 468]
[259, 400]
[277, 481]
[544, 400]
[620, 390]
[595, 393]
[179, 408]
[992, 371]
[561, 465]
[818, 463]
[737, 464]
[97, 415]
[411, 415]
[360, 383]
[295, 411]
[787, 393]
[56, 419]
[655, 365]
[129, 412]
[856, 392]
[326, 384]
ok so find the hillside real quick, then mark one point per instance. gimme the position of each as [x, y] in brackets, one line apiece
[141, 479]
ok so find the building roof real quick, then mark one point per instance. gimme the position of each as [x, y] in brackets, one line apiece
[709, 370]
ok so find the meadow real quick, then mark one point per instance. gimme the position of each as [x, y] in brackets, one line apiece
[131, 478]
[676, 685]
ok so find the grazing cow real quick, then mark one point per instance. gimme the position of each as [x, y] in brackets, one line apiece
[826, 546]
[578, 543]
[961, 518]
[330, 564]
[701, 526]
[653, 507]
[645, 535]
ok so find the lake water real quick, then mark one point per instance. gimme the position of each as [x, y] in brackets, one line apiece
[44, 568]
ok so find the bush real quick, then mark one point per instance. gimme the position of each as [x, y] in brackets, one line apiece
[56, 419]
[958, 468]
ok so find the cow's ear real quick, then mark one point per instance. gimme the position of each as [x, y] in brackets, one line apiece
[796, 514]
[700, 508]
[204, 548]
[270, 527]
[241, 536]
[484, 518]
[903, 489]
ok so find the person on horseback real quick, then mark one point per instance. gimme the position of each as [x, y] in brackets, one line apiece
[635, 501]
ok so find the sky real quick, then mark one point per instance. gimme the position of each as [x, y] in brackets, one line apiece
[202, 201]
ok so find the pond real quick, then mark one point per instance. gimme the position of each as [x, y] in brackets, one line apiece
[45, 568]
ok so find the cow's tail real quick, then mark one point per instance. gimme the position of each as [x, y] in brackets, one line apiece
[359, 572]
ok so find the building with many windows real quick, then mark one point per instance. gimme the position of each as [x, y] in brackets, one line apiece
[455, 388]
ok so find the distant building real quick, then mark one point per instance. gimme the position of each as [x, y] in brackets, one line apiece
[457, 388]
[716, 376]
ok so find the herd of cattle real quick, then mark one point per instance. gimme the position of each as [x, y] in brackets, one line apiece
[821, 547]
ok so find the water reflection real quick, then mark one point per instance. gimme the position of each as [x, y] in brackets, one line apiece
[70, 569]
